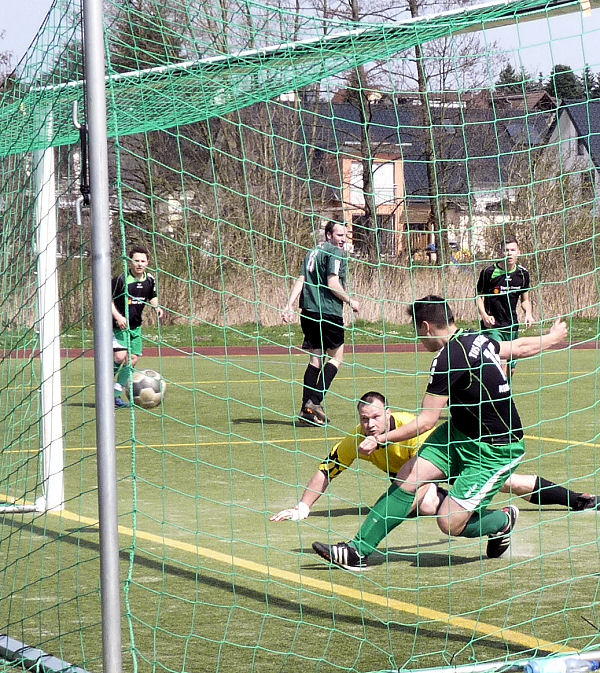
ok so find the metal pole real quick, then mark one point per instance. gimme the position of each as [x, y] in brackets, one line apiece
[95, 110]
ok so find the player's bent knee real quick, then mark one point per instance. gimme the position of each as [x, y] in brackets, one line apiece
[429, 500]
[450, 525]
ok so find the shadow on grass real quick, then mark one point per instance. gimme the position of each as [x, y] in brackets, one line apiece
[88, 405]
[262, 421]
[419, 559]
[78, 537]
[355, 511]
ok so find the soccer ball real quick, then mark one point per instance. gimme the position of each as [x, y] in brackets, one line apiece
[148, 388]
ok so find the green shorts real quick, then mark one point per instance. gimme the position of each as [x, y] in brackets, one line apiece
[128, 340]
[478, 469]
[503, 334]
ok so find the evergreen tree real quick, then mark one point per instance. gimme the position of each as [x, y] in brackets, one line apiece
[590, 83]
[564, 84]
[510, 81]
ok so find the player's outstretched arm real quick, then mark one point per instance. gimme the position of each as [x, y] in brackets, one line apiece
[526, 306]
[525, 347]
[159, 310]
[488, 320]
[316, 487]
[121, 320]
[335, 285]
[288, 312]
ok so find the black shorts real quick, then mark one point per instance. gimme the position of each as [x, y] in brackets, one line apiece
[321, 332]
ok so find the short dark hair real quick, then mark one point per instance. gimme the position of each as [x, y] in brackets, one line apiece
[370, 397]
[509, 239]
[138, 249]
[433, 309]
[329, 228]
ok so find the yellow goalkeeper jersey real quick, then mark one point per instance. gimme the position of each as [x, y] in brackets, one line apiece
[389, 458]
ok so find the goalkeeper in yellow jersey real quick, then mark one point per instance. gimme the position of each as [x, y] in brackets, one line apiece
[376, 418]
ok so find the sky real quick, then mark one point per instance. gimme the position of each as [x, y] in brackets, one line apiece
[20, 20]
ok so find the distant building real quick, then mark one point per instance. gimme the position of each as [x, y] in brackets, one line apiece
[575, 138]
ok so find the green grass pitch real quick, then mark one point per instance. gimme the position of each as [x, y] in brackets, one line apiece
[211, 585]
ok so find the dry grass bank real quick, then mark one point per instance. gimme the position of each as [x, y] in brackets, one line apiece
[384, 292]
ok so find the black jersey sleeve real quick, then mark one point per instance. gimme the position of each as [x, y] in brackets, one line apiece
[118, 286]
[152, 289]
[483, 283]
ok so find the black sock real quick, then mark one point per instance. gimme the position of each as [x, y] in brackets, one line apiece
[310, 390]
[548, 493]
[326, 376]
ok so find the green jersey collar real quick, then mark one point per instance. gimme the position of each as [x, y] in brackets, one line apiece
[132, 279]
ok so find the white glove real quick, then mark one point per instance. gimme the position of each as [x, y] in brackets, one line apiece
[299, 512]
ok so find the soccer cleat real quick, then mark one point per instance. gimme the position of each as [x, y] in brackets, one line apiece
[342, 555]
[121, 404]
[304, 418]
[499, 542]
[587, 501]
[315, 410]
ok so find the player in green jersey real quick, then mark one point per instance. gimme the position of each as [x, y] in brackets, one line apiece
[321, 288]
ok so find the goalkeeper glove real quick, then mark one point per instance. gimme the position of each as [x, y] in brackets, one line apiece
[299, 512]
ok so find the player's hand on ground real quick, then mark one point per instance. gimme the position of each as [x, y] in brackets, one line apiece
[297, 513]
[368, 446]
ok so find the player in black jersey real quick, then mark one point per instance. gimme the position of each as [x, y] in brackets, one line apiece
[478, 448]
[500, 288]
[131, 294]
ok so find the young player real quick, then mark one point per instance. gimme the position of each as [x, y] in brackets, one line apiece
[130, 295]
[322, 290]
[499, 289]
[376, 419]
[478, 448]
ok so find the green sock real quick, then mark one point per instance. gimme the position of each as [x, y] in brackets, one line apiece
[124, 375]
[388, 512]
[487, 522]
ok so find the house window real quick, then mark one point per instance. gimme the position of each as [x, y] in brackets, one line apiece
[383, 182]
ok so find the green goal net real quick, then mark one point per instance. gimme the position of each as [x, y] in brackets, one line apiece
[237, 131]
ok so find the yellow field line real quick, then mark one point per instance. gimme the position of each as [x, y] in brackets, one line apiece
[573, 443]
[475, 626]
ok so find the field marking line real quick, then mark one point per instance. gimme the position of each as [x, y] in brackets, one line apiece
[475, 626]
[269, 378]
[298, 440]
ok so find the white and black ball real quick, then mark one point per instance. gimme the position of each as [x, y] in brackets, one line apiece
[148, 388]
